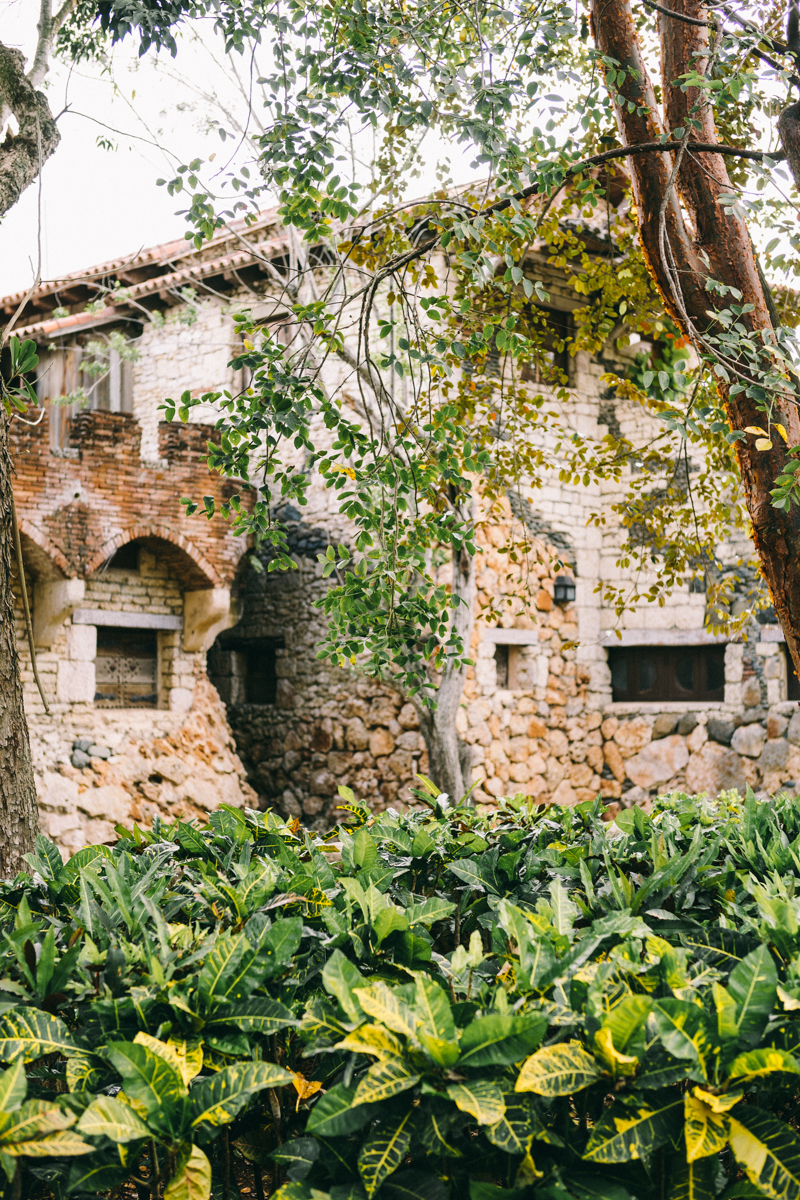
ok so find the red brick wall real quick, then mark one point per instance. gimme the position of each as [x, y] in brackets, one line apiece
[79, 509]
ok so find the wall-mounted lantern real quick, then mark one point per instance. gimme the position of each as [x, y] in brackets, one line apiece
[564, 589]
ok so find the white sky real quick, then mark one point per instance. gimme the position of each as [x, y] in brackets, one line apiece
[98, 204]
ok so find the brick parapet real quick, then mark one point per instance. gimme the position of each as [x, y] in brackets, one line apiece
[80, 506]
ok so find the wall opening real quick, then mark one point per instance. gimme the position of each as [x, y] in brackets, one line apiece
[126, 668]
[245, 671]
[667, 673]
[506, 660]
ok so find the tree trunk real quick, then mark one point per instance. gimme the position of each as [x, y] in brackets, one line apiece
[18, 810]
[718, 247]
[22, 157]
[450, 758]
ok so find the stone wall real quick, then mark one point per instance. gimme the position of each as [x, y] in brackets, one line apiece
[151, 763]
[552, 736]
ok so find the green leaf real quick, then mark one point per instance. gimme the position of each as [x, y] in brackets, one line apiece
[381, 1156]
[388, 921]
[481, 1098]
[29, 1033]
[219, 1099]
[768, 1151]
[429, 911]
[297, 1156]
[478, 1190]
[478, 872]
[192, 1178]
[365, 851]
[753, 984]
[558, 1070]
[336, 1113]
[433, 1008]
[625, 1133]
[340, 979]
[258, 1015]
[88, 1177]
[108, 1117]
[518, 1126]
[626, 1018]
[413, 1185]
[682, 1028]
[384, 1080]
[152, 1082]
[691, 1181]
[500, 1040]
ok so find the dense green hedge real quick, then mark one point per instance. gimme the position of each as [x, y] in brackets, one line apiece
[420, 1007]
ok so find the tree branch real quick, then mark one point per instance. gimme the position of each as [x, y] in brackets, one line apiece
[20, 156]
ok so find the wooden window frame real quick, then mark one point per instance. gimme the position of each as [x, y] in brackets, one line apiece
[664, 662]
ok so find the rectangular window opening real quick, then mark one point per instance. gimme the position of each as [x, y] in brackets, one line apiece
[656, 673]
[126, 668]
[506, 660]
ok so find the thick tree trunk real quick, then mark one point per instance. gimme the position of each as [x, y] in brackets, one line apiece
[718, 247]
[23, 154]
[450, 759]
[18, 810]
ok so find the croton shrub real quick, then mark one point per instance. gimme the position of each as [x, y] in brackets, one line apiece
[432, 1006]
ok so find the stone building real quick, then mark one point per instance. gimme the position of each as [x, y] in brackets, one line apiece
[179, 677]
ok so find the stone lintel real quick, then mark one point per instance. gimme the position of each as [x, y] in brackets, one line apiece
[662, 637]
[126, 620]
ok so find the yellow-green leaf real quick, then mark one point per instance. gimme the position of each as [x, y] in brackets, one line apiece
[558, 1071]
[29, 1033]
[83, 1073]
[380, 1002]
[64, 1143]
[763, 444]
[372, 1039]
[765, 1061]
[192, 1179]
[706, 1131]
[218, 1100]
[781, 430]
[615, 1061]
[769, 1152]
[109, 1117]
[382, 1155]
[384, 1080]
[184, 1057]
[481, 1098]
[624, 1134]
[13, 1086]
[755, 429]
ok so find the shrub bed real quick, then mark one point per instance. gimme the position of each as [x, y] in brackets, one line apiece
[530, 1004]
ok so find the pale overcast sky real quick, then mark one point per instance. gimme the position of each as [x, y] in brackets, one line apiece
[99, 204]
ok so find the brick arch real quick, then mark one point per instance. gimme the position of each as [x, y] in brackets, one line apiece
[45, 559]
[191, 567]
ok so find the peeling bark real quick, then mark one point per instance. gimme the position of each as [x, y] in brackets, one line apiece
[717, 247]
[23, 153]
[18, 811]
[22, 156]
